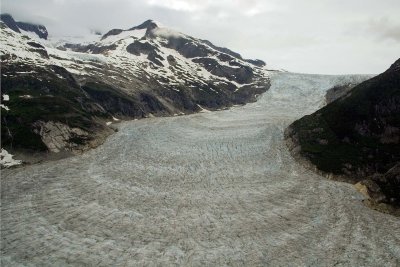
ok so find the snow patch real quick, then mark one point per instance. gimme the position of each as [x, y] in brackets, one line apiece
[5, 107]
[25, 72]
[55, 41]
[6, 159]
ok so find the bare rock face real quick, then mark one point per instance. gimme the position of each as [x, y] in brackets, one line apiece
[60, 137]
[8, 20]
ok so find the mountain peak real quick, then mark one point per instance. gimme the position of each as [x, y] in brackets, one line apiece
[148, 24]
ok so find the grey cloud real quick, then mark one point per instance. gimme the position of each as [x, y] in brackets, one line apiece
[384, 28]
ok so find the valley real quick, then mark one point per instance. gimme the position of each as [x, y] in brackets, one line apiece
[214, 188]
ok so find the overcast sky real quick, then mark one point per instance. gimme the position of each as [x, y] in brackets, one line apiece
[311, 36]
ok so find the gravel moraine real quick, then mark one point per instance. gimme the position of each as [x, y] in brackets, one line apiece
[209, 189]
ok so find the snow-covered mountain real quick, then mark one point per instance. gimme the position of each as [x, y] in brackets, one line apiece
[30, 29]
[61, 86]
[151, 52]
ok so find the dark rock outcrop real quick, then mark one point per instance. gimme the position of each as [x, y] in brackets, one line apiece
[39, 30]
[112, 32]
[223, 49]
[255, 62]
[10, 22]
[120, 104]
[187, 47]
[38, 48]
[138, 48]
[357, 135]
[148, 24]
[383, 190]
[242, 74]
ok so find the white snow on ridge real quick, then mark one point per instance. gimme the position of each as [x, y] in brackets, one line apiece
[128, 67]
[14, 44]
[55, 41]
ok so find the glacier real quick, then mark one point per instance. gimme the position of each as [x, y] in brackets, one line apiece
[213, 188]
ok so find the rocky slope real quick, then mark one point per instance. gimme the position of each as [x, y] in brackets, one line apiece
[357, 137]
[63, 95]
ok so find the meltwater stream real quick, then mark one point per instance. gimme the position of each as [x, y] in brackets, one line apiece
[209, 189]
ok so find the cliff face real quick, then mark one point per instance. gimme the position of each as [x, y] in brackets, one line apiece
[358, 135]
